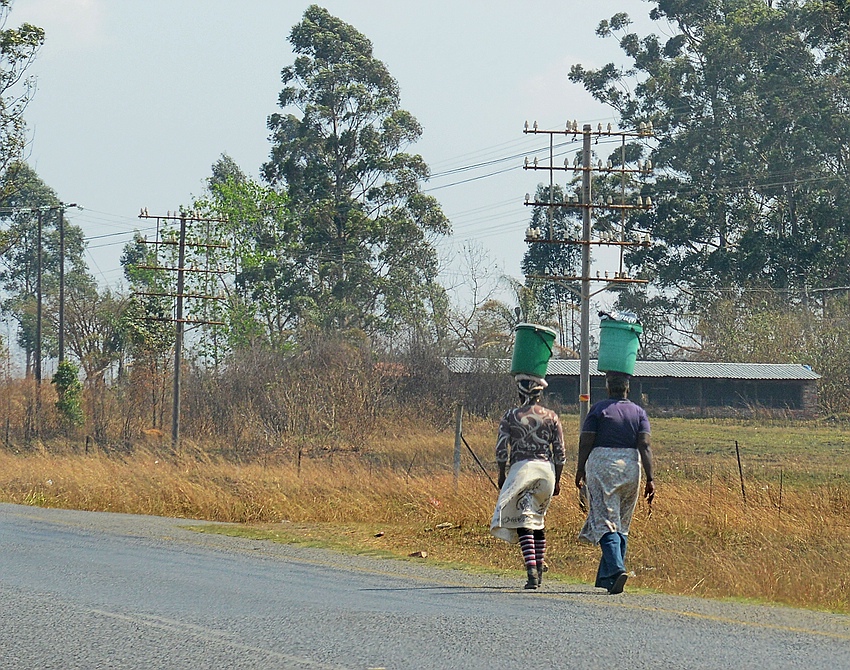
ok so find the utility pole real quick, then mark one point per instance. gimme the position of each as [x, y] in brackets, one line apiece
[38, 301]
[178, 342]
[61, 284]
[61, 224]
[584, 343]
[38, 277]
[39, 290]
[179, 296]
[39, 211]
[587, 240]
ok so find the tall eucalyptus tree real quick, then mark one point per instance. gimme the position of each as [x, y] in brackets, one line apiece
[365, 227]
[748, 100]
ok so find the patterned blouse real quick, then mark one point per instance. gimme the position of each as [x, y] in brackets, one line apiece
[533, 433]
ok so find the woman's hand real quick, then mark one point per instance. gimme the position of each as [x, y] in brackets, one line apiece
[580, 478]
[649, 491]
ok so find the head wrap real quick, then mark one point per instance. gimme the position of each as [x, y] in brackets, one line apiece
[530, 386]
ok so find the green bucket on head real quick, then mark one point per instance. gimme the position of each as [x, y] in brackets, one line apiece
[532, 349]
[618, 346]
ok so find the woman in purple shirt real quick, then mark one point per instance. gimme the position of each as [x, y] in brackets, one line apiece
[614, 442]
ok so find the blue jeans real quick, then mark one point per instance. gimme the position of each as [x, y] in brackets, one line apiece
[613, 561]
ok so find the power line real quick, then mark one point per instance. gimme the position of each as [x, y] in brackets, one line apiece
[466, 181]
[495, 161]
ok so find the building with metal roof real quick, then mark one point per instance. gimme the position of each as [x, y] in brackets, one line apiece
[683, 387]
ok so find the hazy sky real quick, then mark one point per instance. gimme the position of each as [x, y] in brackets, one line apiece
[137, 99]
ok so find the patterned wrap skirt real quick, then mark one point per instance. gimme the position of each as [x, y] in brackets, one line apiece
[524, 499]
[612, 484]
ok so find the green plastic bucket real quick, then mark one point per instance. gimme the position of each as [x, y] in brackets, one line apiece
[532, 349]
[618, 346]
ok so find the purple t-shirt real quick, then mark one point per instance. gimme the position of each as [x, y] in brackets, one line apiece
[616, 423]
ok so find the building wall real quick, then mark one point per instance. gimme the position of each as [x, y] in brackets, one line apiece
[701, 397]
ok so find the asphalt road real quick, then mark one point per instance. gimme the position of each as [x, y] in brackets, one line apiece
[96, 590]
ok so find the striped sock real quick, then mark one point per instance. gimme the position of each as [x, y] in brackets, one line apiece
[526, 544]
[539, 548]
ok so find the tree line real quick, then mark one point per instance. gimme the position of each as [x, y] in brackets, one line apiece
[335, 241]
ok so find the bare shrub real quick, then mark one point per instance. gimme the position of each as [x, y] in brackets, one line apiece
[487, 394]
[426, 389]
[321, 397]
[18, 413]
[433, 390]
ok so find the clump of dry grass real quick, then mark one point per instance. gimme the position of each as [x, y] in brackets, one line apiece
[790, 546]
[798, 555]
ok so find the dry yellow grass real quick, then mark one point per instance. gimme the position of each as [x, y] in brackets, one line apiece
[701, 539]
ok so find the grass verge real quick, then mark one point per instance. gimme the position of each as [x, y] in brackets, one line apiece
[788, 543]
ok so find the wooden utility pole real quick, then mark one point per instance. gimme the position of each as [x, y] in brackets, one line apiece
[587, 240]
[584, 343]
[61, 224]
[180, 295]
[179, 329]
[39, 211]
[38, 277]
[61, 284]
[38, 363]
[38, 304]
[458, 442]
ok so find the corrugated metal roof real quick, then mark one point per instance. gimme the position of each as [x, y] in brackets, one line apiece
[684, 369]
[467, 365]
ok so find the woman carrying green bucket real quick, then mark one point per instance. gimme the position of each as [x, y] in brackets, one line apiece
[614, 443]
[530, 454]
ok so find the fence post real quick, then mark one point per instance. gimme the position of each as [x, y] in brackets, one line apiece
[458, 441]
[710, 485]
[741, 473]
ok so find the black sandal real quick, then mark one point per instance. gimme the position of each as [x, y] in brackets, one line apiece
[532, 580]
[619, 583]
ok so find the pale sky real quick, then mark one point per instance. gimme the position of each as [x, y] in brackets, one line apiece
[137, 99]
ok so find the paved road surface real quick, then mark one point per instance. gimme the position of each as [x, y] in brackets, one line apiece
[94, 590]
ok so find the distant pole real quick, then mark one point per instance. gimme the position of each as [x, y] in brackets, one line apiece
[740, 472]
[38, 300]
[458, 441]
[710, 485]
[178, 339]
[61, 283]
[549, 212]
[38, 290]
[584, 346]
